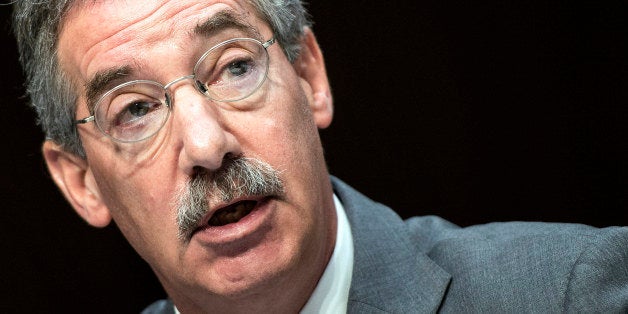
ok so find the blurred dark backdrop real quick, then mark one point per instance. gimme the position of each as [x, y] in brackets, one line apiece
[476, 112]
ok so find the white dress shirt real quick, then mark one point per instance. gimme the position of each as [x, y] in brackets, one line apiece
[332, 292]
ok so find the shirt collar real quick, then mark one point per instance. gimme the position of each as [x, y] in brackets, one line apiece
[331, 294]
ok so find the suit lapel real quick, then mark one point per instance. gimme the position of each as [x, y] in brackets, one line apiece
[389, 273]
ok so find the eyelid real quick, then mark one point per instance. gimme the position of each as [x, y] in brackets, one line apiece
[220, 57]
[120, 99]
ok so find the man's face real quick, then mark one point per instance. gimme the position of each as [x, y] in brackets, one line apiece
[285, 240]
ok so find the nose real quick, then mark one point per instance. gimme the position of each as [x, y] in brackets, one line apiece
[203, 136]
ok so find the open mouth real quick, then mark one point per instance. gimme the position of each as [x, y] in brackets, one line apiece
[232, 213]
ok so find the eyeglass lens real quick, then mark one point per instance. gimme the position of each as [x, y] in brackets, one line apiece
[228, 72]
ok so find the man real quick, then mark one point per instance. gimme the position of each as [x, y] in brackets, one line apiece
[193, 125]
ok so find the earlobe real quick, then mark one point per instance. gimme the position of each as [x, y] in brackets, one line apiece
[74, 178]
[310, 67]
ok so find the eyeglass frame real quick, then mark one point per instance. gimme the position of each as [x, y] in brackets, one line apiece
[165, 87]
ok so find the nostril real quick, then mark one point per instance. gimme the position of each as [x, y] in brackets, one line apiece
[199, 171]
[229, 156]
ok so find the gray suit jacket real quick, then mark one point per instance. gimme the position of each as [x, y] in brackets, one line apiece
[427, 265]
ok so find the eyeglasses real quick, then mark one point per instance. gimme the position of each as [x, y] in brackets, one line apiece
[136, 110]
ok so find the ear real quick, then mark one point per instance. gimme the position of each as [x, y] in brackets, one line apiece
[76, 181]
[310, 67]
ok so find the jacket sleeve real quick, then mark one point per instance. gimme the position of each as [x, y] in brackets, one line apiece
[598, 281]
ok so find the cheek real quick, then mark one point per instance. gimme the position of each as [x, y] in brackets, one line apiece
[141, 207]
[285, 133]
[132, 181]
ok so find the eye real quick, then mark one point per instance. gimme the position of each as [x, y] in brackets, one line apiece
[139, 109]
[135, 112]
[238, 68]
[134, 116]
[228, 67]
[132, 111]
[232, 71]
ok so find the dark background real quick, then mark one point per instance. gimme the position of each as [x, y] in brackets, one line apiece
[474, 111]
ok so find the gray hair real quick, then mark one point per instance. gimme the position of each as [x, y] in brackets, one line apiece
[53, 96]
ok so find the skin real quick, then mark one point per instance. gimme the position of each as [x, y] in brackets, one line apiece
[271, 266]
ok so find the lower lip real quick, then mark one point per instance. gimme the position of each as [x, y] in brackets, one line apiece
[247, 227]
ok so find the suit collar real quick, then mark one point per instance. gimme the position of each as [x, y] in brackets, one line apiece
[390, 274]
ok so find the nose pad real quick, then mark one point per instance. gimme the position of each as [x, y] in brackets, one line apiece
[201, 87]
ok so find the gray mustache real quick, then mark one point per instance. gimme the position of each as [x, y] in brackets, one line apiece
[238, 177]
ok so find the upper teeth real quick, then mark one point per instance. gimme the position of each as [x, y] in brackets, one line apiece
[232, 213]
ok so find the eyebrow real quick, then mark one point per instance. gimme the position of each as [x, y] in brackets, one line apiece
[224, 20]
[103, 81]
[106, 79]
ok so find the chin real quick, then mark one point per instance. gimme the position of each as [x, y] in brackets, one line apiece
[256, 272]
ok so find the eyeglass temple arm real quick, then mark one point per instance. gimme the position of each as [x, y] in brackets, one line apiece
[269, 42]
[85, 120]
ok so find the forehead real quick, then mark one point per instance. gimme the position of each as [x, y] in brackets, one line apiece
[97, 34]
[128, 17]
